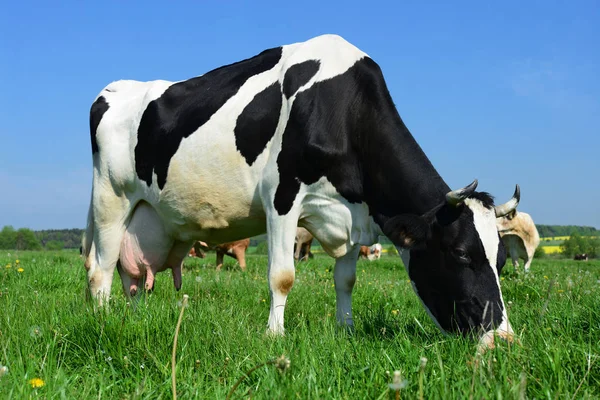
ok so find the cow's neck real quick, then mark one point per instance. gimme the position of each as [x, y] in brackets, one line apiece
[399, 177]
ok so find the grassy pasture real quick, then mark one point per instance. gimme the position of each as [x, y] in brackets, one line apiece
[48, 331]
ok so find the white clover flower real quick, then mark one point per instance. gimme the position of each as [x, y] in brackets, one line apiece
[35, 331]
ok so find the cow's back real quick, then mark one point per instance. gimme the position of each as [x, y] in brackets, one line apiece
[204, 151]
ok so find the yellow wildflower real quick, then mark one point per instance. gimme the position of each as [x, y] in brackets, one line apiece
[20, 270]
[36, 382]
[8, 266]
[545, 277]
[17, 262]
[395, 312]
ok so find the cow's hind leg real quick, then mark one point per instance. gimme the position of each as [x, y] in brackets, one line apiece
[281, 231]
[345, 276]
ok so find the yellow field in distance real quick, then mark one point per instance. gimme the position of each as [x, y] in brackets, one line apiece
[551, 249]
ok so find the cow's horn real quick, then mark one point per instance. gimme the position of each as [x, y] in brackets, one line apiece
[456, 197]
[510, 205]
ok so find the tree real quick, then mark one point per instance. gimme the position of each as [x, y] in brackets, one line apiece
[26, 240]
[539, 252]
[8, 237]
[577, 244]
[262, 248]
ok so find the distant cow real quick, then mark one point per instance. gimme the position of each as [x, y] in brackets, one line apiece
[519, 235]
[581, 257]
[370, 253]
[302, 244]
[197, 250]
[235, 249]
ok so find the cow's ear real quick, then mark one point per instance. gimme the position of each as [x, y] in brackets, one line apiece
[407, 230]
[511, 214]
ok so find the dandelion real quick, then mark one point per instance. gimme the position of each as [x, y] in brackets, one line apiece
[422, 364]
[3, 370]
[17, 262]
[36, 383]
[395, 312]
[560, 291]
[20, 270]
[545, 277]
[8, 265]
[397, 383]
[502, 278]
[35, 331]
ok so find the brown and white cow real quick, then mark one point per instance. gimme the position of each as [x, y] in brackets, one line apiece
[236, 249]
[302, 244]
[370, 252]
[519, 235]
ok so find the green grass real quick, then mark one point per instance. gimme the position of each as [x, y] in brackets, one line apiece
[48, 331]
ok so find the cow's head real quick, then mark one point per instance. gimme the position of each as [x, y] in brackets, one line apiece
[454, 260]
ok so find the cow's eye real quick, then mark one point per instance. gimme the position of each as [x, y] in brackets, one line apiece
[461, 256]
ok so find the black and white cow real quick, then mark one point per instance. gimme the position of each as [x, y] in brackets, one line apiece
[302, 134]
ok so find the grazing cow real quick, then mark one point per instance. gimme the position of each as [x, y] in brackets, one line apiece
[303, 134]
[581, 257]
[520, 237]
[236, 249]
[197, 250]
[302, 244]
[370, 253]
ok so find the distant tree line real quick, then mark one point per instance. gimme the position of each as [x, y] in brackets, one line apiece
[22, 239]
[56, 239]
[69, 238]
[566, 230]
[26, 239]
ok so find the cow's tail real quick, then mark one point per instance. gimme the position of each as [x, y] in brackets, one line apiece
[88, 235]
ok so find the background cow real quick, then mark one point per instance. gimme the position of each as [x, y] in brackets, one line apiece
[370, 252]
[302, 244]
[236, 249]
[198, 250]
[520, 237]
[306, 135]
[581, 257]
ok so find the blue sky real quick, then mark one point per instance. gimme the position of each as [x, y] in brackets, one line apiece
[506, 92]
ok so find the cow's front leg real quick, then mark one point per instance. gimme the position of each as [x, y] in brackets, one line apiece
[344, 276]
[281, 232]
